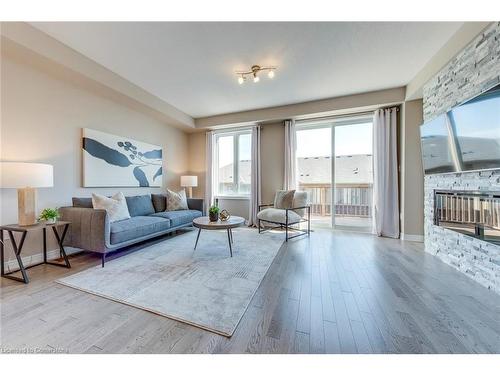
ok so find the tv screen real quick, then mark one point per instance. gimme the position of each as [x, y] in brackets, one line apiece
[436, 147]
[466, 138]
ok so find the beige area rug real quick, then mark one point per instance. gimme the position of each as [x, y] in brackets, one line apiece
[206, 288]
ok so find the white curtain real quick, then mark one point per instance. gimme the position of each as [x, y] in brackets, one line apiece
[255, 171]
[209, 176]
[385, 173]
[290, 173]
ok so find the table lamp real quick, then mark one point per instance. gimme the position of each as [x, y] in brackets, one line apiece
[189, 182]
[26, 177]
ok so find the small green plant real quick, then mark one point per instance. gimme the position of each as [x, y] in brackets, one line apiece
[213, 213]
[49, 214]
[214, 210]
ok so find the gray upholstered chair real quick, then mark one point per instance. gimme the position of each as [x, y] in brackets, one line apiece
[288, 217]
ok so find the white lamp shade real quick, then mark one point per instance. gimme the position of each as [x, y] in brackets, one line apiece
[21, 175]
[189, 181]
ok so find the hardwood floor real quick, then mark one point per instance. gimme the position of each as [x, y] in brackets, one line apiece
[336, 292]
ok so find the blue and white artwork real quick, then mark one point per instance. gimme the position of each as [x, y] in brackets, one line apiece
[113, 161]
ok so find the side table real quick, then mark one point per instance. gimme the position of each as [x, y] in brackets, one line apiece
[204, 222]
[18, 247]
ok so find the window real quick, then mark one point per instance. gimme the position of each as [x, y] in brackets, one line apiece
[342, 146]
[232, 163]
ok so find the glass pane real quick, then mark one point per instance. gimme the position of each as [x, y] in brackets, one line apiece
[244, 161]
[314, 149]
[353, 176]
[477, 128]
[436, 146]
[225, 163]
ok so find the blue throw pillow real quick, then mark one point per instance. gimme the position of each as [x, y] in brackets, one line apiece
[140, 205]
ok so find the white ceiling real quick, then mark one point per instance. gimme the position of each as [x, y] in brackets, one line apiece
[191, 65]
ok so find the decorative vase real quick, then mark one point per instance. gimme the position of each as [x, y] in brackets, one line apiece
[213, 216]
[224, 215]
[50, 221]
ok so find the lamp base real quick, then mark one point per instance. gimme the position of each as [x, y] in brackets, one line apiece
[26, 203]
[190, 192]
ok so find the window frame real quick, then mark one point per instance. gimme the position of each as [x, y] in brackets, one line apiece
[332, 123]
[236, 147]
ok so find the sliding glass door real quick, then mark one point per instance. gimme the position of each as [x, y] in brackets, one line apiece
[353, 176]
[314, 170]
[334, 162]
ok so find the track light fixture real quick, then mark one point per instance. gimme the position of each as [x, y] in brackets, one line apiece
[254, 71]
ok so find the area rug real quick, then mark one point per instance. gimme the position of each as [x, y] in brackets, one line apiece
[205, 288]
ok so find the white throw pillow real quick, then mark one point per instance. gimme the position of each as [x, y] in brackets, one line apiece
[284, 199]
[176, 201]
[116, 206]
[300, 199]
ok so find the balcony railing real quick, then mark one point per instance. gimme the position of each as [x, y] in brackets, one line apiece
[351, 200]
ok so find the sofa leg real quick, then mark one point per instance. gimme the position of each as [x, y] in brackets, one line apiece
[103, 259]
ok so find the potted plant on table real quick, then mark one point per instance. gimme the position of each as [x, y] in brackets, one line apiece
[213, 213]
[49, 215]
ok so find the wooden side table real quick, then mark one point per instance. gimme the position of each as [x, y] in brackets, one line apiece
[18, 247]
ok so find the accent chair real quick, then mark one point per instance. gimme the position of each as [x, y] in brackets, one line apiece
[290, 208]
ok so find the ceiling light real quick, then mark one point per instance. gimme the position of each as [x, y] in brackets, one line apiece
[254, 71]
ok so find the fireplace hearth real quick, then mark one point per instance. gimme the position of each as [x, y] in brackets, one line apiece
[473, 213]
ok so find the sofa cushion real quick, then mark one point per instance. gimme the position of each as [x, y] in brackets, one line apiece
[159, 202]
[116, 206]
[140, 205]
[300, 199]
[82, 202]
[284, 198]
[176, 201]
[135, 227]
[179, 217]
[277, 215]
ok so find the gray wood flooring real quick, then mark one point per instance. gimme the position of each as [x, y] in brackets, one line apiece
[336, 292]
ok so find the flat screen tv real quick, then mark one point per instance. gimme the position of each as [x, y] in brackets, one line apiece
[466, 138]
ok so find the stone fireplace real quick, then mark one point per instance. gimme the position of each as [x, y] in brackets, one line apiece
[475, 257]
[474, 70]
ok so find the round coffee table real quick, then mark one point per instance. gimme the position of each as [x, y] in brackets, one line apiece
[204, 223]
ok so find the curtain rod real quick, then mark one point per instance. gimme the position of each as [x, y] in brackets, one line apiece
[391, 107]
[347, 115]
[335, 117]
[233, 128]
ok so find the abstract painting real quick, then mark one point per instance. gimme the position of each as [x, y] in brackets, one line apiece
[114, 161]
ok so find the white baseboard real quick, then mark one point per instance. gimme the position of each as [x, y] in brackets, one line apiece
[412, 237]
[28, 260]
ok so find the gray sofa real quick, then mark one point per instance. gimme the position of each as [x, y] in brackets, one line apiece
[91, 230]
